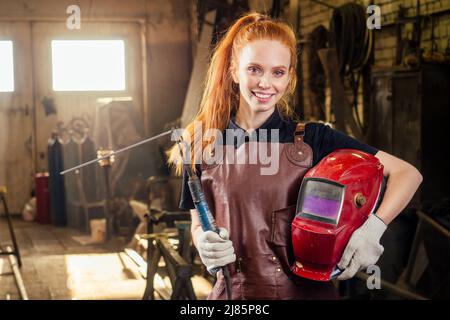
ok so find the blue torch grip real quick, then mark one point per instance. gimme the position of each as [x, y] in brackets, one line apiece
[206, 219]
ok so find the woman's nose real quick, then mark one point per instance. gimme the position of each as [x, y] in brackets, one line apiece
[264, 82]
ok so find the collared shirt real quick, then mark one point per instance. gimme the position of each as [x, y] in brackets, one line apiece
[321, 138]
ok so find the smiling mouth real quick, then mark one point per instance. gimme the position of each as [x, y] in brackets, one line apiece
[262, 95]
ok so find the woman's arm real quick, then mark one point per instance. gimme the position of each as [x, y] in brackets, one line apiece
[403, 181]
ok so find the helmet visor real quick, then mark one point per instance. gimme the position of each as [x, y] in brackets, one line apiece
[320, 200]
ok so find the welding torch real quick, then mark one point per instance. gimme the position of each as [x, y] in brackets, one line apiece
[207, 221]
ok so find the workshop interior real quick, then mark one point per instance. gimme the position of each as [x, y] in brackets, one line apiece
[96, 87]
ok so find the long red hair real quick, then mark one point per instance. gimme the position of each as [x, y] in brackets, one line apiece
[220, 97]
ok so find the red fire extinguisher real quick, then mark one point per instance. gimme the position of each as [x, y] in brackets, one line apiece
[42, 197]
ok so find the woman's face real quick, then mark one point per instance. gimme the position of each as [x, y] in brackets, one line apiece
[262, 74]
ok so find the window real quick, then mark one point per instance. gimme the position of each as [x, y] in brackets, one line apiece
[88, 65]
[6, 66]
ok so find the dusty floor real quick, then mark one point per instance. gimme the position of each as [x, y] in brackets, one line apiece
[55, 266]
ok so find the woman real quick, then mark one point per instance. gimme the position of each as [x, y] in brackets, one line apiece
[249, 80]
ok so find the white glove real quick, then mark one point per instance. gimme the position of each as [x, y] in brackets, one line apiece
[215, 250]
[364, 248]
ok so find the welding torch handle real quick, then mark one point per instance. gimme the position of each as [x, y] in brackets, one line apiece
[204, 214]
[207, 220]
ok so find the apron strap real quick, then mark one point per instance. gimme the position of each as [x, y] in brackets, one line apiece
[299, 133]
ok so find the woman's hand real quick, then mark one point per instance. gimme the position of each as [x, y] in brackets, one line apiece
[363, 249]
[215, 250]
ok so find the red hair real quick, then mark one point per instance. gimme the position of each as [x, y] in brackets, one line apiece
[221, 96]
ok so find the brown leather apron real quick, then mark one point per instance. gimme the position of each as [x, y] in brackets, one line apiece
[258, 210]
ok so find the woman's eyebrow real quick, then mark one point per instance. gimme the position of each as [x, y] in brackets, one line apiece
[258, 65]
[282, 66]
[254, 64]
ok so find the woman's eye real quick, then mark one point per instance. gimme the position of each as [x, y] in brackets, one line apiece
[253, 69]
[279, 73]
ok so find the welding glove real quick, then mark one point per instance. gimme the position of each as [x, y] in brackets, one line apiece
[364, 248]
[215, 250]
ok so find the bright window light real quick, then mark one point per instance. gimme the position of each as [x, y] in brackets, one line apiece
[6, 66]
[88, 65]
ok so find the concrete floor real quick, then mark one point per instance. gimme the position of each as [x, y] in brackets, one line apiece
[55, 266]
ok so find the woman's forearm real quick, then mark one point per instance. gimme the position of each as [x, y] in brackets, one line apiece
[194, 233]
[401, 187]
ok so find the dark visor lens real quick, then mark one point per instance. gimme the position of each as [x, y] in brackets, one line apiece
[322, 199]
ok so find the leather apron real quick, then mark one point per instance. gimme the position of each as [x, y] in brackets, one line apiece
[257, 210]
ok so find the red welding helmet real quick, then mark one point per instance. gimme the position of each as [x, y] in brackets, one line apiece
[335, 198]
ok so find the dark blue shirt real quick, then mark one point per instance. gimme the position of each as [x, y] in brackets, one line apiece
[321, 138]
